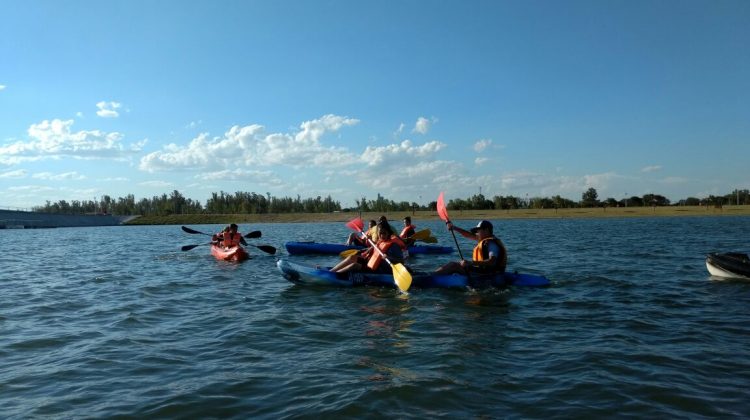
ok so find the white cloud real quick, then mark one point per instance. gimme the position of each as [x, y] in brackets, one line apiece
[2, 87]
[480, 161]
[400, 130]
[79, 114]
[401, 154]
[17, 174]
[35, 189]
[422, 126]
[652, 168]
[55, 140]
[108, 109]
[249, 145]
[66, 176]
[480, 145]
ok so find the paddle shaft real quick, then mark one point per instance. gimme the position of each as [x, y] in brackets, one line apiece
[251, 235]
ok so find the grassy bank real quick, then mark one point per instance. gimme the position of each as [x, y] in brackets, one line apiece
[195, 219]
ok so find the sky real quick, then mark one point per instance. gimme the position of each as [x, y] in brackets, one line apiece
[353, 99]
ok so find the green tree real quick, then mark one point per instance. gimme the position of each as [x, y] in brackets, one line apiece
[590, 198]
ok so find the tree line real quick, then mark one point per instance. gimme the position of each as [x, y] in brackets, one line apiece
[253, 203]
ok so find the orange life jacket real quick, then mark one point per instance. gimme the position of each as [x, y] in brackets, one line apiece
[408, 230]
[375, 259]
[231, 240]
[482, 253]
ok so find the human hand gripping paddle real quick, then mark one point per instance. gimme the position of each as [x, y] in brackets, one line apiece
[252, 235]
[443, 213]
[401, 275]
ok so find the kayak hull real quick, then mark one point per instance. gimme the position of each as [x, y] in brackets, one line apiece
[729, 265]
[234, 254]
[302, 248]
[320, 276]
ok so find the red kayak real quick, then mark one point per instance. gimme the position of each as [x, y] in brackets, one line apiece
[236, 253]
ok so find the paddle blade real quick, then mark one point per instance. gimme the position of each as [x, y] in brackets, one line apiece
[188, 230]
[189, 247]
[442, 211]
[253, 235]
[356, 225]
[420, 235]
[348, 253]
[430, 240]
[266, 248]
[402, 277]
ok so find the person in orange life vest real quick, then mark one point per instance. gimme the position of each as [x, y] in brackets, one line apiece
[397, 239]
[355, 239]
[370, 260]
[489, 256]
[408, 231]
[231, 238]
[217, 238]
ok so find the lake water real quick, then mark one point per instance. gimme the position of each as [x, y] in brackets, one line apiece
[117, 321]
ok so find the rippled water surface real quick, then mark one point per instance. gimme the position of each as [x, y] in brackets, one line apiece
[117, 321]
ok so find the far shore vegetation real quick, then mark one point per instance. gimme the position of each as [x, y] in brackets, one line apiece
[248, 207]
[422, 215]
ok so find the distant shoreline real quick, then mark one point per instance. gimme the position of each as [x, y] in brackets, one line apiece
[570, 213]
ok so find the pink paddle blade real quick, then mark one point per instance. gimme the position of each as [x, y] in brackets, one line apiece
[442, 211]
[356, 225]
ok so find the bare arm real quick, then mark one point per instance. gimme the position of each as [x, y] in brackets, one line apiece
[465, 233]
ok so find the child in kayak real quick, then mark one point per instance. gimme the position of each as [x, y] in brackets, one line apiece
[355, 239]
[370, 260]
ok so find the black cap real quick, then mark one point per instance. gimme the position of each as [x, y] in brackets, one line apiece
[484, 224]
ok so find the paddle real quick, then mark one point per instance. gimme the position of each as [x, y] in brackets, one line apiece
[430, 240]
[265, 248]
[443, 213]
[401, 275]
[348, 252]
[252, 235]
[420, 235]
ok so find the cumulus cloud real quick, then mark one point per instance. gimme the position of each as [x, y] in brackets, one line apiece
[250, 145]
[55, 139]
[480, 161]
[481, 145]
[652, 168]
[108, 109]
[422, 126]
[402, 153]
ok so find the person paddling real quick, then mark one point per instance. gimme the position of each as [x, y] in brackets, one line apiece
[370, 260]
[408, 231]
[489, 256]
[372, 233]
[230, 237]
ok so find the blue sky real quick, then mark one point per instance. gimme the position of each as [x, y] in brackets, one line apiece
[353, 98]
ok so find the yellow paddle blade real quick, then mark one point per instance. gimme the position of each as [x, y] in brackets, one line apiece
[348, 253]
[424, 233]
[402, 277]
[430, 240]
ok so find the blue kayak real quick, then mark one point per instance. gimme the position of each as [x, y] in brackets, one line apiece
[320, 276]
[299, 248]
